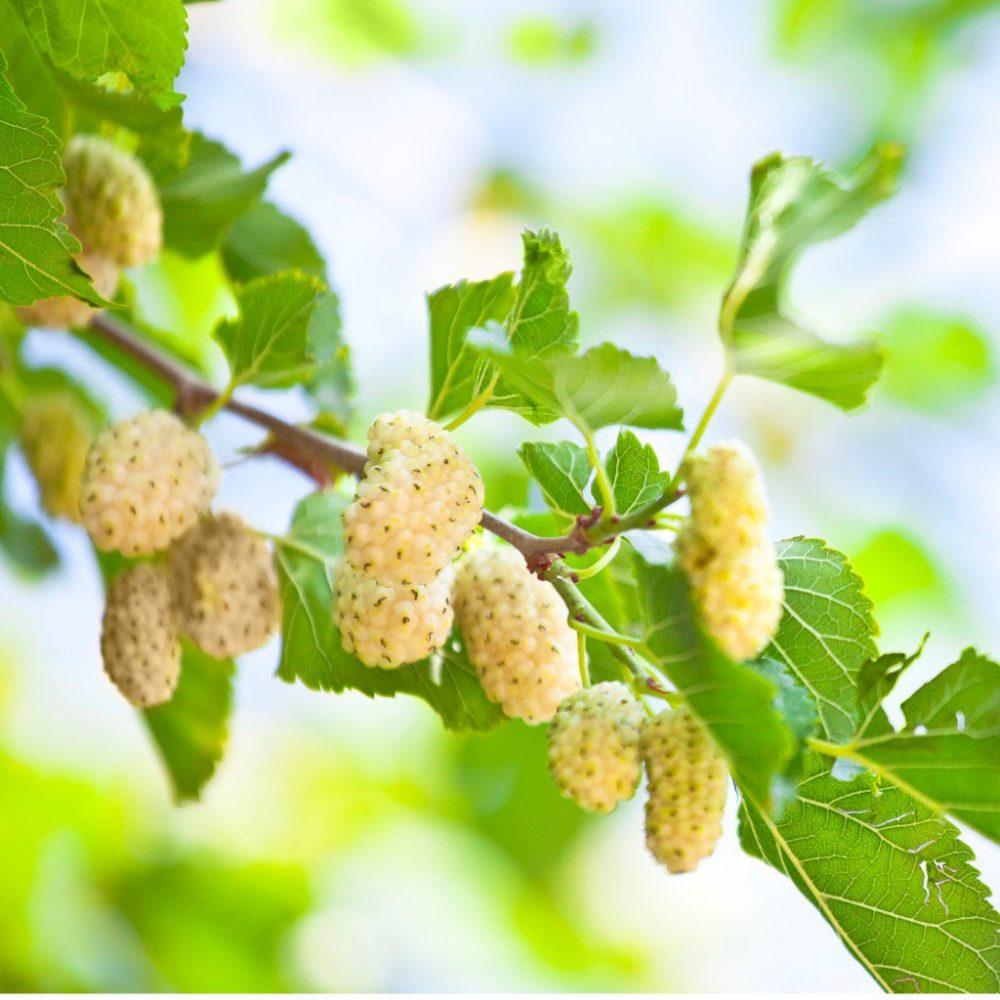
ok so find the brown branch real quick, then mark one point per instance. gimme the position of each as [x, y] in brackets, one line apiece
[315, 454]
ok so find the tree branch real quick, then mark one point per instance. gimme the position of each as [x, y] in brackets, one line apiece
[317, 454]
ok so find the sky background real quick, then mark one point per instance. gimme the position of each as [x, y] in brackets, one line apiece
[365, 848]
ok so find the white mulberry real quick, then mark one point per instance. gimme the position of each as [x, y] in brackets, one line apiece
[66, 312]
[54, 437]
[389, 625]
[225, 586]
[594, 746]
[686, 778]
[726, 552]
[113, 201]
[146, 481]
[516, 634]
[418, 502]
[139, 644]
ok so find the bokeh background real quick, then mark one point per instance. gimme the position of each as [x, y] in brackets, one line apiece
[350, 845]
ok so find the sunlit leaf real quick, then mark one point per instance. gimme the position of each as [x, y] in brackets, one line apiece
[634, 473]
[264, 241]
[890, 877]
[562, 471]
[794, 203]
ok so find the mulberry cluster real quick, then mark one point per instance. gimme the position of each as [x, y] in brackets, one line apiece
[112, 201]
[727, 553]
[418, 502]
[387, 624]
[594, 746]
[687, 780]
[516, 634]
[145, 482]
[225, 587]
[55, 437]
[139, 637]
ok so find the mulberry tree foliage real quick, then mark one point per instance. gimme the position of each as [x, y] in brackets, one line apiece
[608, 611]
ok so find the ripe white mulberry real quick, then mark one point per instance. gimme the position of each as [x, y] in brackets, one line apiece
[726, 552]
[113, 201]
[146, 481]
[66, 312]
[54, 437]
[389, 625]
[418, 502]
[139, 643]
[516, 634]
[225, 586]
[687, 779]
[594, 746]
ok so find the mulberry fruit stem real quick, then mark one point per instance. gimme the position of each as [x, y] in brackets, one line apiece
[600, 473]
[699, 431]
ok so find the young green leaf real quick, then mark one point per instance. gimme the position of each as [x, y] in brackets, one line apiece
[201, 201]
[311, 648]
[827, 631]
[458, 374]
[26, 544]
[794, 203]
[735, 703]
[191, 729]
[36, 250]
[562, 471]
[144, 41]
[541, 321]
[890, 877]
[948, 753]
[634, 473]
[288, 332]
[604, 386]
[264, 241]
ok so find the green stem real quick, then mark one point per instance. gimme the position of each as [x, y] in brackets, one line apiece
[218, 404]
[594, 568]
[581, 653]
[699, 431]
[475, 405]
[611, 638]
[601, 474]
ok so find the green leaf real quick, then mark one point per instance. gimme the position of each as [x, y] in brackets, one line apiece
[288, 332]
[889, 876]
[541, 321]
[936, 362]
[827, 631]
[36, 250]
[604, 386]
[458, 374]
[794, 203]
[26, 544]
[264, 241]
[735, 703]
[562, 471]
[948, 753]
[311, 649]
[634, 473]
[144, 41]
[191, 729]
[204, 199]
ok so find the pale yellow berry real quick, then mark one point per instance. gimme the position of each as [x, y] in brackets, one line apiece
[146, 481]
[113, 201]
[225, 586]
[66, 312]
[139, 644]
[516, 634]
[594, 746]
[54, 436]
[687, 781]
[389, 625]
[727, 553]
[418, 502]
